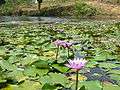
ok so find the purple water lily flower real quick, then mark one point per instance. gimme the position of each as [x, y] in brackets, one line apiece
[58, 42]
[77, 63]
[63, 43]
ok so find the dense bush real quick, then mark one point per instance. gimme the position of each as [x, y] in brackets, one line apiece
[5, 8]
[83, 10]
[12, 5]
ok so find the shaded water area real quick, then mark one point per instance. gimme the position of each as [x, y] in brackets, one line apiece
[48, 20]
[27, 19]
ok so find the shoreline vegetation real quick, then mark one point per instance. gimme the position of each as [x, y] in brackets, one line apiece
[70, 8]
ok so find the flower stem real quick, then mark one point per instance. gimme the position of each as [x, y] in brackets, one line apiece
[57, 52]
[73, 52]
[68, 52]
[76, 87]
[102, 85]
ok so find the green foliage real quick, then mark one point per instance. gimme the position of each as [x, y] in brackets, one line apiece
[26, 85]
[60, 68]
[83, 10]
[32, 71]
[10, 6]
[54, 78]
[7, 7]
[110, 87]
[89, 85]
[27, 56]
[48, 87]
[5, 65]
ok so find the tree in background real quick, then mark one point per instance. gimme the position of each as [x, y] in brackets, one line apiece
[39, 4]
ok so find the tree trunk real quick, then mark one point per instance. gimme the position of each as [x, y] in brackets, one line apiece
[39, 6]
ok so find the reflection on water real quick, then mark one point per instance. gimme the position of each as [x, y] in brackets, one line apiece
[28, 19]
[46, 20]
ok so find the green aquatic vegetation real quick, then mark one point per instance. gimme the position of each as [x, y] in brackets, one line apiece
[28, 56]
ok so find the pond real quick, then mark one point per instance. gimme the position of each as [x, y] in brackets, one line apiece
[28, 53]
[29, 19]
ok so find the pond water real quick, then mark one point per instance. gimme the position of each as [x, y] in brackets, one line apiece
[48, 20]
[28, 19]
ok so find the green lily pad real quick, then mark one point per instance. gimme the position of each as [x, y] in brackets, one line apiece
[110, 87]
[54, 78]
[5, 65]
[48, 87]
[89, 85]
[41, 64]
[31, 58]
[60, 68]
[107, 65]
[33, 71]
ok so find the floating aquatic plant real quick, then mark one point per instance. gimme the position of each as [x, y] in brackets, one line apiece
[77, 64]
[63, 44]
